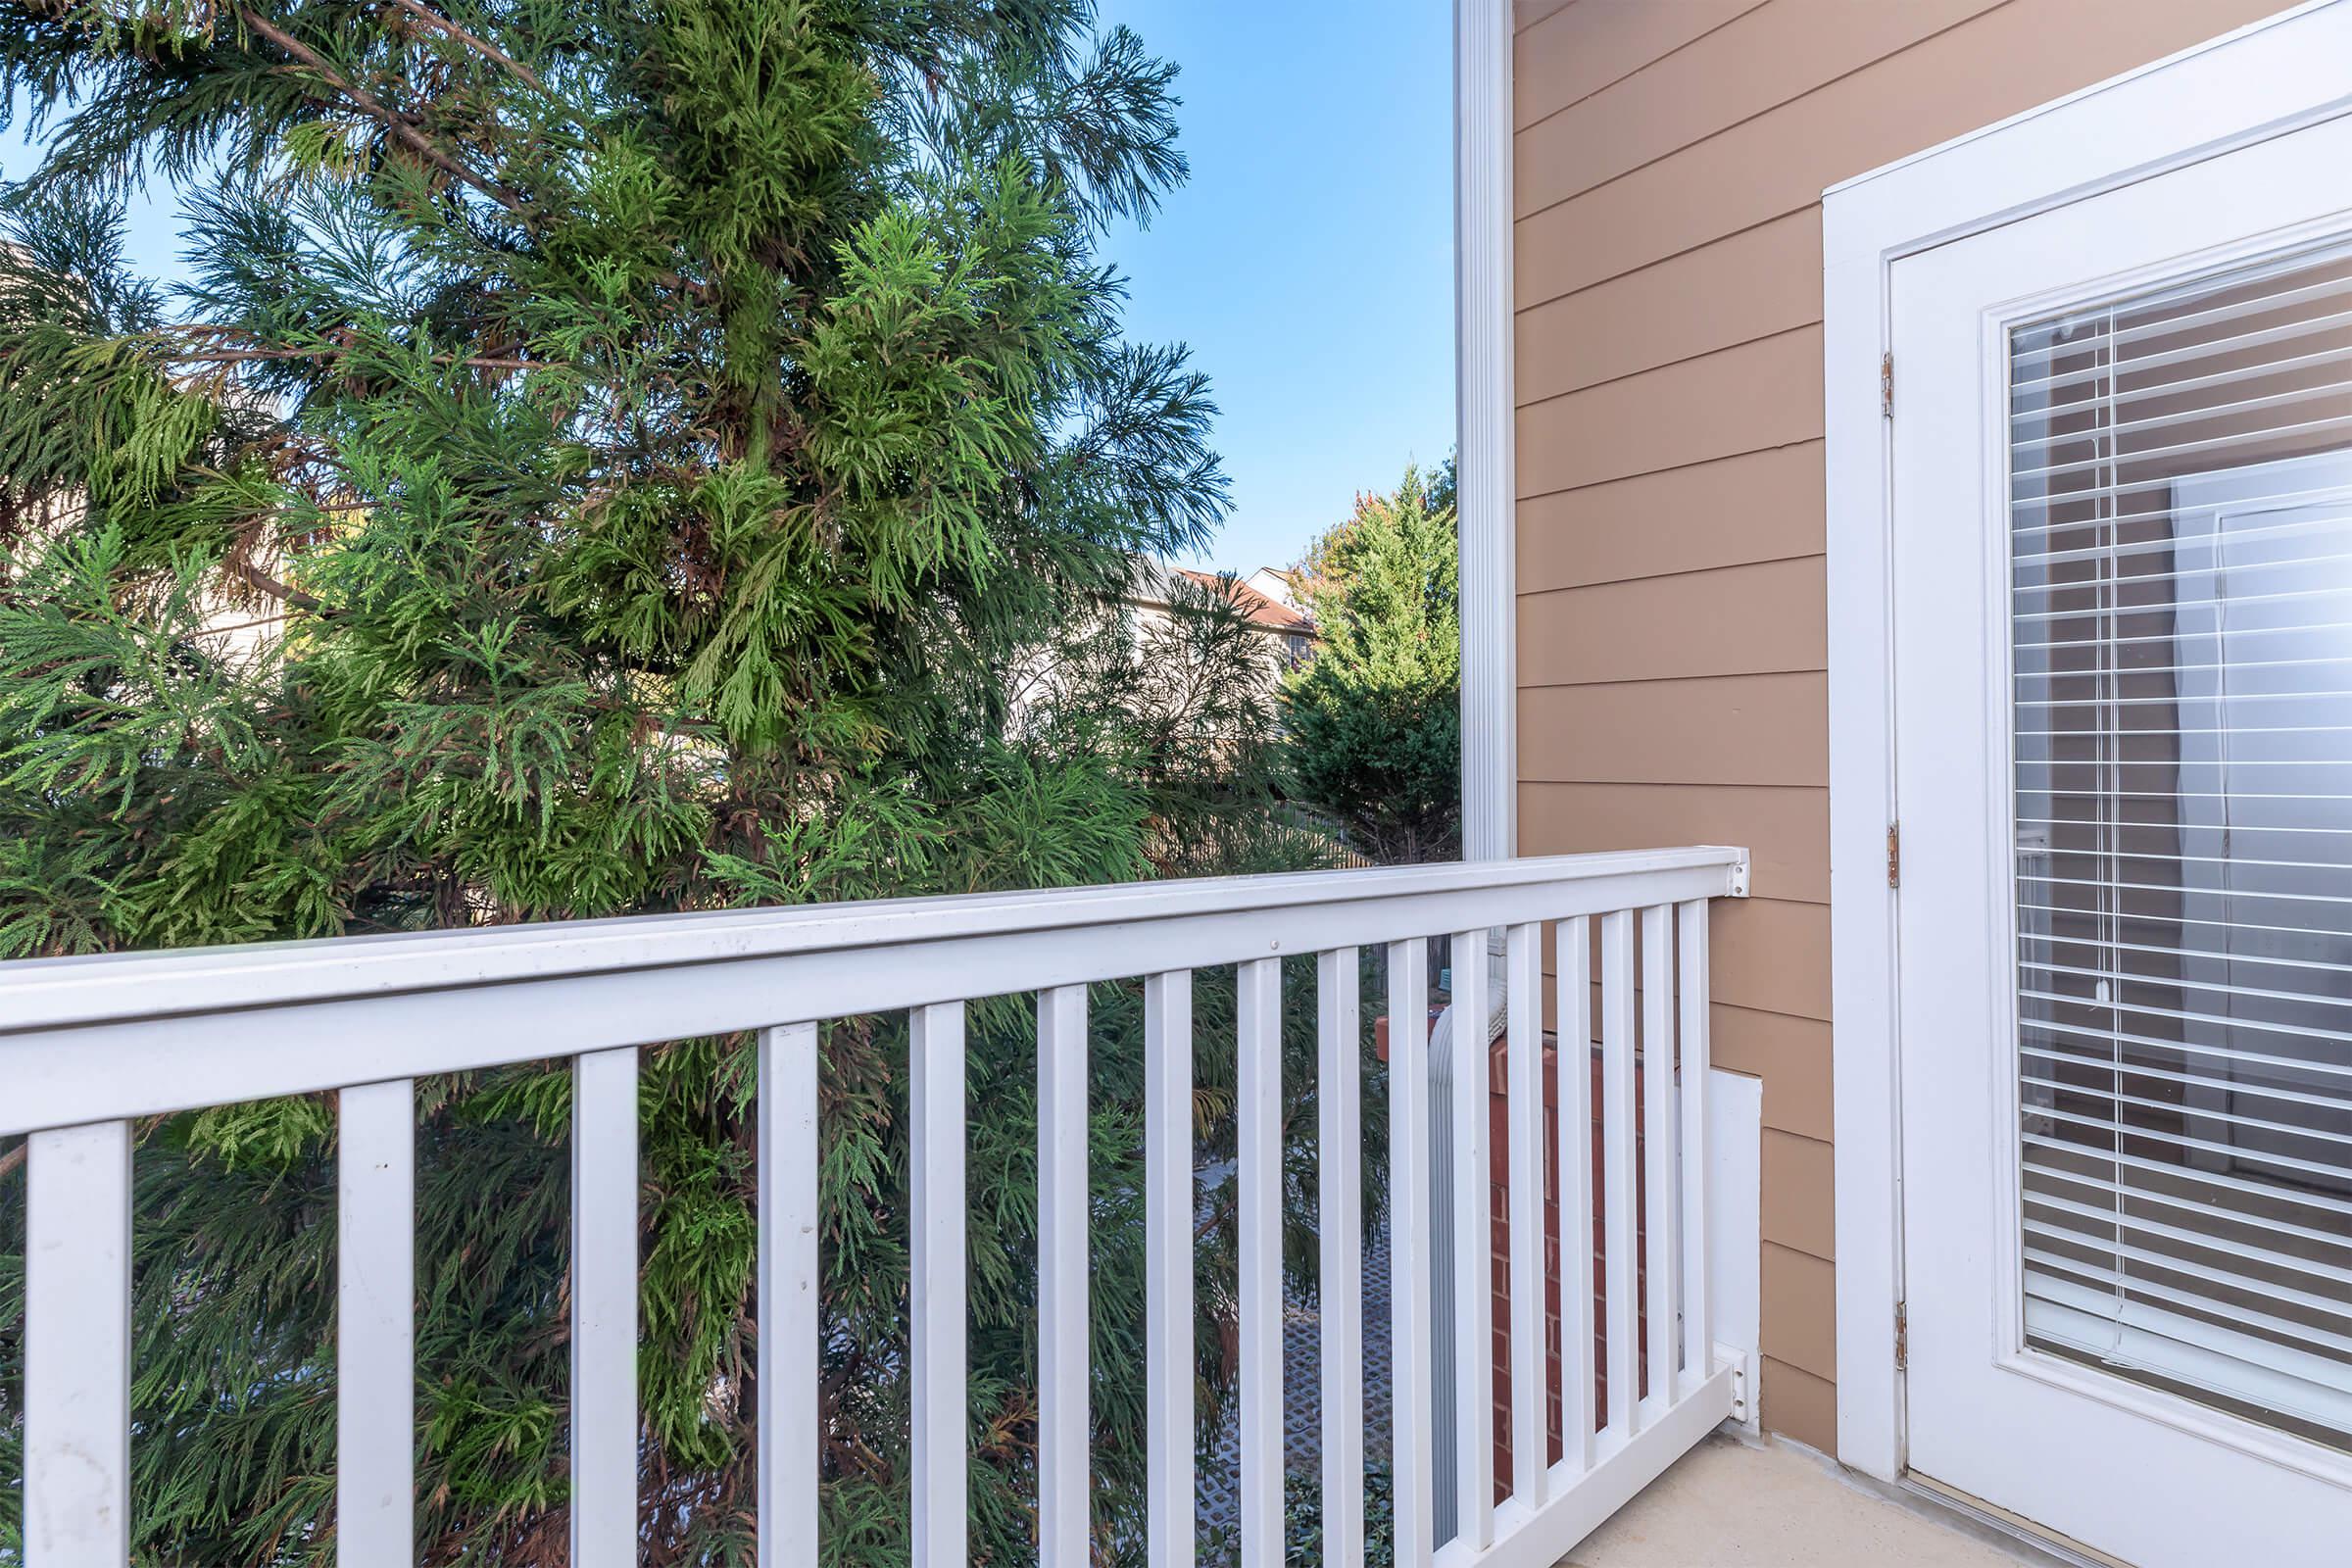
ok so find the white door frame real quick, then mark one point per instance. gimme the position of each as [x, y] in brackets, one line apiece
[2276, 75]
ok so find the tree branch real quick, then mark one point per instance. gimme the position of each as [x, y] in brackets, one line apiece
[481, 46]
[284, 593]
[368, 104]
[243, 356]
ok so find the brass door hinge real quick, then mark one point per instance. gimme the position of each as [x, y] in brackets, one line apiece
[1894, 855]
[1903, 1336]
[1886, 385]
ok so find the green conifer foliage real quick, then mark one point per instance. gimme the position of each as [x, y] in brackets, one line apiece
[670, 456]
[1375, 718]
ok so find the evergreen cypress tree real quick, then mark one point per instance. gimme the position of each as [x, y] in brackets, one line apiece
[656, 446]
[1375, 717]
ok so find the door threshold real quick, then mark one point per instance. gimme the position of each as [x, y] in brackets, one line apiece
[2047, 1543]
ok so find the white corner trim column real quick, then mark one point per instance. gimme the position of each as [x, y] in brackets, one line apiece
[1486, 468]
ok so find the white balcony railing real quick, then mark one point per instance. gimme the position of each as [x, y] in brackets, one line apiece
[87, 1046]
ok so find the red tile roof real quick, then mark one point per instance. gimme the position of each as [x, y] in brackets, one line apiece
[1254, 605]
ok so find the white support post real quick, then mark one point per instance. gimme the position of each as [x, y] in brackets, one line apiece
[78, 1346]
[1578, 1418]
[1063, 1506]
[1690, 931]
[1259, 1133]
[1472, 1250]
[1169, 1499]
[604, 1309]
[941, 1437]
[375, 1337]
[1411, 1481]
[1620, 1248]
[1486, 419]
[789, 1323]
[1340, 1224]
[1523, 988]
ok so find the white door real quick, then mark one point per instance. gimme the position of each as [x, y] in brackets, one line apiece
[2123, 608]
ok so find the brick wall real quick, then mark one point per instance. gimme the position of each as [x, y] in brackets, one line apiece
[1499, 1194]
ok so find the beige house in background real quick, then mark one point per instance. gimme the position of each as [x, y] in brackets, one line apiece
[1264, 599]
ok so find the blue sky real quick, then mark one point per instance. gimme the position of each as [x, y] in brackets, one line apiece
[1310, 263]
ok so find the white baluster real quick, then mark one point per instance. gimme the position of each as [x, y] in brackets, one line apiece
[1698, 1347]
[1473, 1248]
[1620, 1245]
[1169, 1499]
[1523, 982]
[375, 1337]
[1340, 1224]
[1660, 1128]
[1259, 1133]
[604, 1309]
[78, 1346]
[1409, 1423]
[789, 1321]
[940, 1439]
[1062, 1211]
[1578, 1418]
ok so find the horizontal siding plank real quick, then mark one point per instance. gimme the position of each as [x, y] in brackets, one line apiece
[1998, 63]
[1568, 51]
[1735, 290]
[1791, 1054]
[1771, 955]
[1798, 1404]
[1801, 1310]
[1725, 729]
[1801, 1200]
[1754, 62]
[1784, 830]
[1525, 14]
[1745, 399]
[1735, 620]
[1758, 506]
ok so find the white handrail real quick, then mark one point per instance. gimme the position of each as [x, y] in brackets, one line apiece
[97, 987]
[249, 1022]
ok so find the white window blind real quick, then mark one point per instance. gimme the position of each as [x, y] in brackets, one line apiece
[2181, 495]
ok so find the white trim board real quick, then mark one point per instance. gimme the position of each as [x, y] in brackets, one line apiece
[2273, 76]
[1486, 470]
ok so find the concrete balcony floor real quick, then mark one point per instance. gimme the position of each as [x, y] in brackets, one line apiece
[1730, 1504]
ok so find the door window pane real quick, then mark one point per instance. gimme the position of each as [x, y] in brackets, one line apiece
[2180, 506]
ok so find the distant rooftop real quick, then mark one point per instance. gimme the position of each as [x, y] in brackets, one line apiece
[1262, 609]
